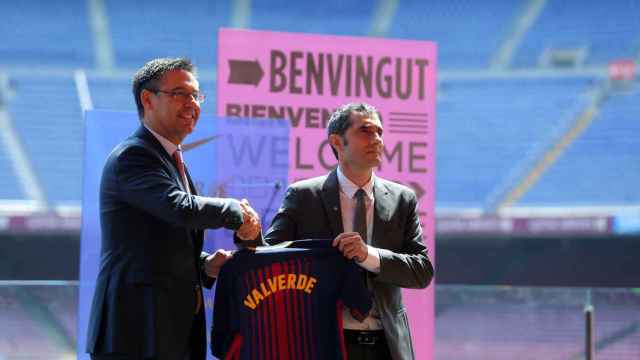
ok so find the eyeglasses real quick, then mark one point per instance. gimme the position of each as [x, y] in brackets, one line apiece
[181, 95]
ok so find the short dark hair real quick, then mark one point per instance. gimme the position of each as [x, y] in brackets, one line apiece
[340, 120]
[150, 74]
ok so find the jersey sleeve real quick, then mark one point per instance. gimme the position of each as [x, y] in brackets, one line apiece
[224, 327]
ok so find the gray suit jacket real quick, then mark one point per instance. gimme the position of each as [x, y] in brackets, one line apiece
[311, 209]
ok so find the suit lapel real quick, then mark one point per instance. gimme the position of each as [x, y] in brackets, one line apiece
[176, 174]
[331, 201]
[197, 235]
[192, 187]
[380, 212]
[146, 135]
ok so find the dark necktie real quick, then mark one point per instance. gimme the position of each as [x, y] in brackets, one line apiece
[360, 223]
[360, 215]
[177, 157]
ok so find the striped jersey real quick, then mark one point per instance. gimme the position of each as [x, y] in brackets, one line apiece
[285, 302]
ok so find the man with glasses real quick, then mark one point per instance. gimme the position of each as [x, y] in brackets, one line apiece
[148, 299]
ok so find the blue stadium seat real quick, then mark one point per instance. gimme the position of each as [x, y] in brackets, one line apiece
[47, 116]
[45, 33]
[602, 166]
[468, 32]
[116, 94]
[146, 29]
[489, 129]
[10, 188]
[607, 29]
[335, 17]
[111, 93]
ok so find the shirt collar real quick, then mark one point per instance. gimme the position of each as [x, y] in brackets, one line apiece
[349, 188]
[168, 146]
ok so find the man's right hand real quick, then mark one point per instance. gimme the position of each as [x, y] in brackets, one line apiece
[351, 246]
[250, 228]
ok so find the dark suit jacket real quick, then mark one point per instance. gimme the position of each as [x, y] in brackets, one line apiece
[152, 236]
[311, 209]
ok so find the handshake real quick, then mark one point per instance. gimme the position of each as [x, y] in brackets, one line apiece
[250, 228]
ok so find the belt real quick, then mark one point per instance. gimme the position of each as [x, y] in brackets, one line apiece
[364, 337]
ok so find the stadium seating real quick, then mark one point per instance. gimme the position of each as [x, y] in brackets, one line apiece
[142, 30]
[10, 189]
[336, 17]
[116, 94]
[47, 116]
[605, 29]
[37, 323]
[468, 32]
[489, 130]
[30, 33]
[602, 167]
[503, 323]
[111, 94]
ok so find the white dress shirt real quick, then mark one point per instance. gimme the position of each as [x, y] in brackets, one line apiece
[166, 144]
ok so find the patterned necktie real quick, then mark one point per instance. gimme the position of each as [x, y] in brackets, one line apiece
[177, 157]
[360, 215]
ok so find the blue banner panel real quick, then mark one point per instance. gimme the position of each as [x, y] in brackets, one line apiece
[226, 157]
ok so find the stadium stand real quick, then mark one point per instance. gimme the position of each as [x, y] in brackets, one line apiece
[503, 323]
[10, 188]
[488, 130]
[487, 123]
[29, 330]
[111, 93]
[46, 115]
[159, 32]
[114, 93]
[30, 34]
[468, 32]
[602, 167]
[605, 30]
[346, 17]
[491, 126]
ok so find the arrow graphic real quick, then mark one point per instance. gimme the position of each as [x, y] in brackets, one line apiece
[245, 72]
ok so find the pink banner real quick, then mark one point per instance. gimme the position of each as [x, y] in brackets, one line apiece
[303, 78]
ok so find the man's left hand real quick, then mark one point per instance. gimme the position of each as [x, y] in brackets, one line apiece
[351, 246]
[214, 262]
